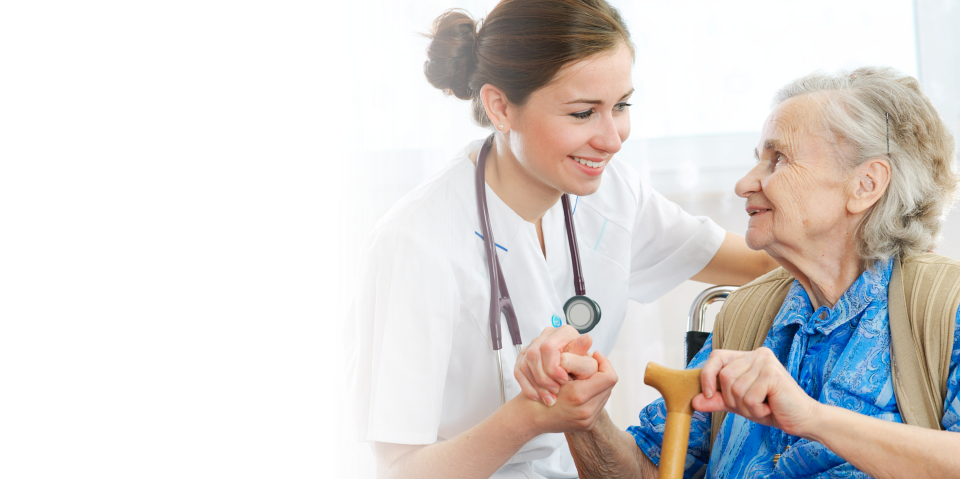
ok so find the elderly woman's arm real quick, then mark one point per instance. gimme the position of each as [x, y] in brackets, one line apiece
[606, 452]
[886, 449]
[756, 385]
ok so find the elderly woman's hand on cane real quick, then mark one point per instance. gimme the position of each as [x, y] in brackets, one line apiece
[757, 386]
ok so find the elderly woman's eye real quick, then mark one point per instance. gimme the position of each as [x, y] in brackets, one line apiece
[779, 158]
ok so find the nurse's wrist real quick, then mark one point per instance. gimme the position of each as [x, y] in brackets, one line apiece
[527, 418]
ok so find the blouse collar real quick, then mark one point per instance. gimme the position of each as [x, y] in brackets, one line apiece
[798, 310]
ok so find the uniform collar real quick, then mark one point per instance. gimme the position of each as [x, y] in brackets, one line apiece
[504, 221]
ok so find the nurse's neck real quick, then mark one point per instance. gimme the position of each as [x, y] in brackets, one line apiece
[526, 195]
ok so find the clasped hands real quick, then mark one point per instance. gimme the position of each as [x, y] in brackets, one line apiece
[555, 368]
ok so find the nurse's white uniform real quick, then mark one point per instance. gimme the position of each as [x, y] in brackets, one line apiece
[421, 357]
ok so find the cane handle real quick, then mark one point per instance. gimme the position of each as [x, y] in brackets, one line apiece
[678, 387]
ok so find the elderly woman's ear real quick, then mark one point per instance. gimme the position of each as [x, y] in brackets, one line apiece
[869, 181]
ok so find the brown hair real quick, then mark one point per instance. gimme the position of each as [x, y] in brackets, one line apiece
[519, 48]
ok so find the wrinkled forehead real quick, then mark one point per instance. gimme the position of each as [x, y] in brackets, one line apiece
[800, 114]
[795, 124]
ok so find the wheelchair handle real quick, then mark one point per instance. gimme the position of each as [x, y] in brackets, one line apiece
[699, 308]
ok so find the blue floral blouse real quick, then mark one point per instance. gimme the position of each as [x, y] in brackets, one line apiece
[840, 356]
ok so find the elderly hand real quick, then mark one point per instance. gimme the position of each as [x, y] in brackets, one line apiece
[538, 368]
[757, 386]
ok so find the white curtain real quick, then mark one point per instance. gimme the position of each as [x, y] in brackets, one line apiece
[705, 73]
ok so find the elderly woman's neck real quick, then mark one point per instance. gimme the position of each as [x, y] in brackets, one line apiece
[825, 277]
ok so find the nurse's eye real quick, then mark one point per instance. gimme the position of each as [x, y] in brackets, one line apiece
[583, 115]
[622, 106]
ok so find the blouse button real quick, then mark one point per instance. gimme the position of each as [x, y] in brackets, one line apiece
[776, 457]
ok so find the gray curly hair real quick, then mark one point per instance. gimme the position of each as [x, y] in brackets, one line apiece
[923, 184]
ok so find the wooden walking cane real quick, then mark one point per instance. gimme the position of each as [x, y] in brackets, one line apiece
[678, 388]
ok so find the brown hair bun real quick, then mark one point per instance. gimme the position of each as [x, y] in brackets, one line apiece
[519, 48]
[451, 58]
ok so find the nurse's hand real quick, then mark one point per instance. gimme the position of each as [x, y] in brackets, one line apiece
[538, 369]
[579, 402]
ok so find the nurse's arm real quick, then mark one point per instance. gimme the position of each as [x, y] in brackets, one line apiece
[735, 264]
[607, 452]
[477, 453]
[482, 450]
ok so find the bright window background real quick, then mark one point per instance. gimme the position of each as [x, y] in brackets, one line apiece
[705, 73]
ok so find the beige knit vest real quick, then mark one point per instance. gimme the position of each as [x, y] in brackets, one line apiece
[924, 295]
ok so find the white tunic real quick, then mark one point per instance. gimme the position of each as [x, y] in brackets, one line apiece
[420, 355]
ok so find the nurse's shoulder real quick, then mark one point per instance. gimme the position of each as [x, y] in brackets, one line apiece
[440, 211]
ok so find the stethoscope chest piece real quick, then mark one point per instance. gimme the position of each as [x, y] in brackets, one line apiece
[582, 313]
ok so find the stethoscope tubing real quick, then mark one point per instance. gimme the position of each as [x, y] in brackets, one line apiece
[499, 296]
[578, 285]
[498, 286]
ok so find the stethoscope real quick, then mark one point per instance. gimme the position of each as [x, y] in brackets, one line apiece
[582, 312]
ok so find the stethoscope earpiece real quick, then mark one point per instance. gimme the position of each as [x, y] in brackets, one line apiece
[582, 313]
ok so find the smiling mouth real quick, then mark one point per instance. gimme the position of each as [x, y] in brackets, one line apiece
[757, 211]
[588, 163]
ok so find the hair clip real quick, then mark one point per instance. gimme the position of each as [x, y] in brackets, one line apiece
[888, 133]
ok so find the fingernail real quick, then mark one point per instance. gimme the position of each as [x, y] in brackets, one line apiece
[554, 390]
[550, 400]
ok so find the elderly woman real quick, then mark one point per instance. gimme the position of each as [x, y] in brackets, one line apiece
[853, 177]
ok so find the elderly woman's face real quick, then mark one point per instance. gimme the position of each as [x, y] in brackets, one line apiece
[796, 193]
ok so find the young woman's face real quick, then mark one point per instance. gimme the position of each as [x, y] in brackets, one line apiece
[567, 132]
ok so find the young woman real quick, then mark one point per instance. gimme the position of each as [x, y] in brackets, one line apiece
[552, 78]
